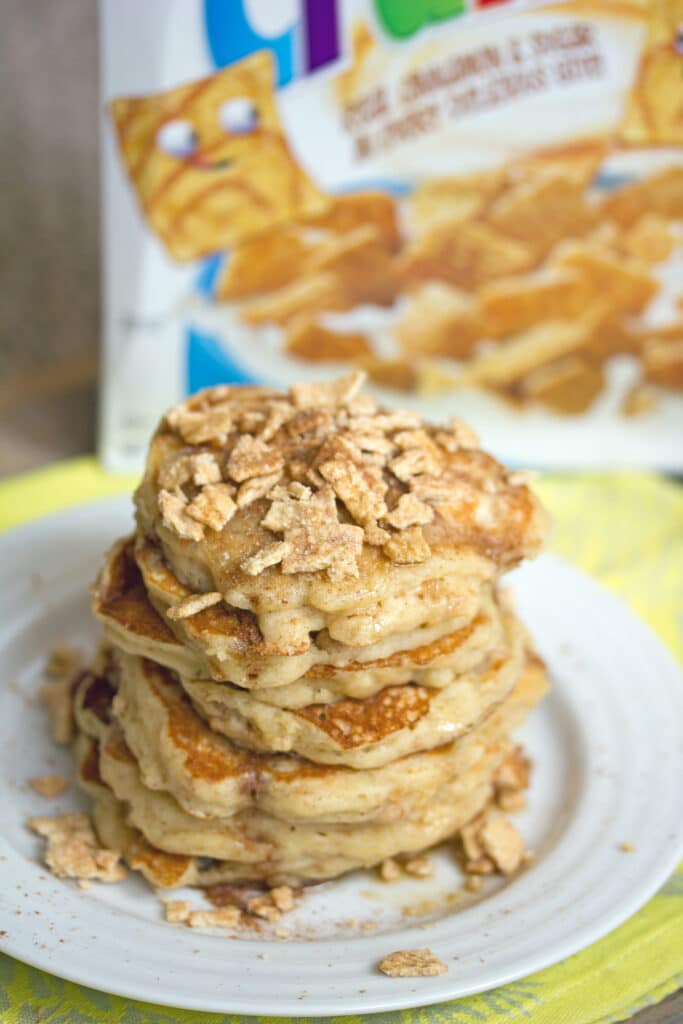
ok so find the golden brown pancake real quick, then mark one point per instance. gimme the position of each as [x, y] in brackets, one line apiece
[211, 777]
[324, 510]
[217, 643]
[367, 733]
[255, 846]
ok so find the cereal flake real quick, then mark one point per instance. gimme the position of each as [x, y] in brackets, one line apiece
[222, 917]
[410, 511]
[252, 457]
[58, 697]
[256, 488]
[272, 554]
[263, 906]
[73, 851]
[412, 963]
[283, 897]
[193, 604]
[200, 427]
[419, 867]
[390, 870]
[173, 508]
[49, 786]
[360, 486]
[407, 547]
[177, 911]
[213, 506]
[503, 843]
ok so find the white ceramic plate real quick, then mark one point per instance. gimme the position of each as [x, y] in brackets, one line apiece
[608, 747]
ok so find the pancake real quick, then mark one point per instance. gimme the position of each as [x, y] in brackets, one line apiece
[211, 777]
[368, 733]
[319, 509]
[167, 870]
[252, 846]
[215, 644]
[290, 632]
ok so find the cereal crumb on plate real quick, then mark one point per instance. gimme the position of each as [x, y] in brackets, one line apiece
[412, 963]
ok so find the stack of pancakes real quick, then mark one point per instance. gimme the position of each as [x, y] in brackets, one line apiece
[308, 664]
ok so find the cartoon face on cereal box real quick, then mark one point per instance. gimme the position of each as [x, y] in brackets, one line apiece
[209, 160]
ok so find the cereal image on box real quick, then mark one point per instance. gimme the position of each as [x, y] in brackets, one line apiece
[209, 160]
[655, 110]
[527, 290]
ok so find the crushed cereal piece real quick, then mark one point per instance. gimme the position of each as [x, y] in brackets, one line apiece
[282, 933]
[177, 911]
[503, 843]
[389, 870]
[263, 906]
[58, 697]
[514, 772]
[201, 427]
[257, 487]
[510, 800]
[409, 511]
[413, 462]
[334, 546]
[480, 866]
[412, 963]
[469, 837]
[627, 847]
[270, 555]
[222, 917]
[301, 508]
[407, 547]
[360, 486]
[213, 506]
[252, 457]
[279, 413]
[474, 883]
[193, 604]
[205, 469]
[173, 508]
[420, 867]
[202, 468]
[375, 535]
[63, 661]
[283, 897]
[73, 851]
[49, 786]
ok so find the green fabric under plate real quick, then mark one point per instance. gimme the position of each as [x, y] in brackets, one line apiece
[627, 530]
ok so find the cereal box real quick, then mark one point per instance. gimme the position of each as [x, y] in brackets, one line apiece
[477, 202]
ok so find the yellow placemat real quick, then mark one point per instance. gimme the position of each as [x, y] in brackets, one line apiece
[626, 529]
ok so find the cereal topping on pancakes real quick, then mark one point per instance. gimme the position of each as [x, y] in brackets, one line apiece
[322, 472]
